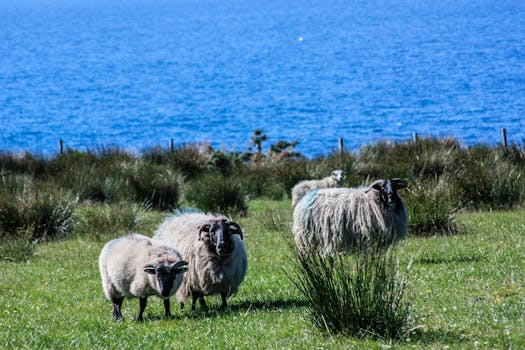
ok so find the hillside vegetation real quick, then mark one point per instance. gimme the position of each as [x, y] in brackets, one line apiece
[463, 260]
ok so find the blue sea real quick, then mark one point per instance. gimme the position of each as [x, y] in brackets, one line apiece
[136, 73]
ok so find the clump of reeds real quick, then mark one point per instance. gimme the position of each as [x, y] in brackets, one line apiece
[427, 158]
[155, 184]
[32, 212]
[360, 295]
[490, 178]
[104, 221]
[432, 209]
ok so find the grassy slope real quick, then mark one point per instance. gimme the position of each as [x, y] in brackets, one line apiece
[467, 291]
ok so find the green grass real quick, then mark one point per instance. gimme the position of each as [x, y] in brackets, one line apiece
[466, 291]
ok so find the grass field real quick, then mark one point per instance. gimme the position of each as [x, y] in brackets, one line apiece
[466, 291]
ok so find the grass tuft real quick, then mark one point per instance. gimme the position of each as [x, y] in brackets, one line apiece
[357, 295]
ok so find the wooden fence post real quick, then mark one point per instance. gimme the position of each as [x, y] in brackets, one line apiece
[504, 137]
[414, 136]
[60, 146]
[341, 145]
[171, 146]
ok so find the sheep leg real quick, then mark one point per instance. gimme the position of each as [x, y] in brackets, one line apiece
[194, 297]
[198, 296]
[203, 303]
[142, 304]
[167, 308]
[223, 297]
[117, 305]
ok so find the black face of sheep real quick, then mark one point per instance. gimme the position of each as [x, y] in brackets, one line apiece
[388, 190]
[166, 271]
[218, 235]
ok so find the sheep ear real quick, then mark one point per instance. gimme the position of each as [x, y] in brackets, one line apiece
[235, 229]
[204, 231]
[399, 184]
[376, 185]
[180, 266]
[150, 268]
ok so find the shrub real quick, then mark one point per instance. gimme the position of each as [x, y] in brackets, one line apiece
[96, 183]
[357, 295]
[189, 159]
[221, 162]
[98, 176]
[43, 210]
[427, 158]
[431, 210]
[257, 181]
[288, 174]
[25, 163]
[488, 179]
[155, 184]
[214, 192]
[103, 221]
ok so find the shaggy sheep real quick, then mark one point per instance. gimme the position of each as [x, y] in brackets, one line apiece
[134, 266]
[340, 219]
[335, 179]
[213, 247]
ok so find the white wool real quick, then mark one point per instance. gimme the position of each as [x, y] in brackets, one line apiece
[336, 219]
[207, 273]
[299, 190]
[122, 262]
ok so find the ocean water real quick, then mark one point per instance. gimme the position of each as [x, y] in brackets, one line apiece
[136, 73]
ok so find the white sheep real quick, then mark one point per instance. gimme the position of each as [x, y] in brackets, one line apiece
[135, 266]
[340, 219]
[213, 247]
[335, 179]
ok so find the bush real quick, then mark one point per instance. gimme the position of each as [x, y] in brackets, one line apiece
[431, 210]
[488, 178]
[427, 158]
[43, 210]
[105, 221]
[94, 176]
[214, 192]
[356, 295]
[258, 181]
[25, 163]
[156, 185]
[188, 159]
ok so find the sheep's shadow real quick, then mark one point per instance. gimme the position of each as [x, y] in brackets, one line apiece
[245, 307]
[425, 337]
[278, 304]
[425, 260]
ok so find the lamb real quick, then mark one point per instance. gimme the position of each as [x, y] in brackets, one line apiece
[212, 245]
[335, 179]
[135, 266]
[335, 220]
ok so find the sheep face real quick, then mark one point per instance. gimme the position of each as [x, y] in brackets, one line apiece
[388, 191]
[166, 273]
[218, 235]
[338, 175]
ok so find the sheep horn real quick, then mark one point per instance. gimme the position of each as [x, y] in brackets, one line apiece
[377, 185]
[237, 228]
[150, 268]
[399, 183]
[180, 263]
